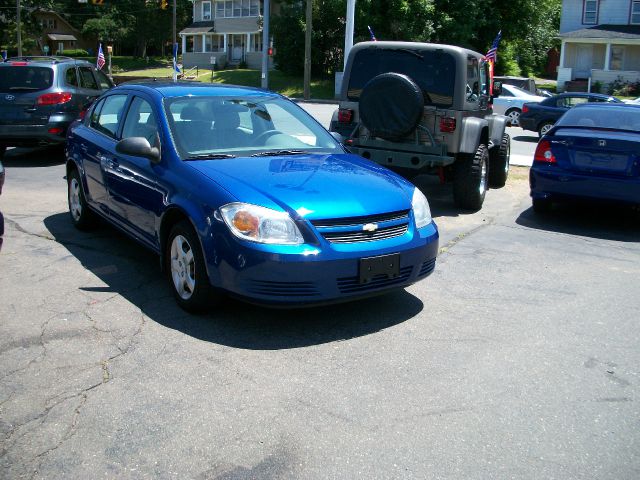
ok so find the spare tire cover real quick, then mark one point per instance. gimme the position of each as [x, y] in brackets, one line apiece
[391, 105]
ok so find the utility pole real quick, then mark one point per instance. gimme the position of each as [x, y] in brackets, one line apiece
[265, 47]
[19, 28]
[307, 52]
[348, 34]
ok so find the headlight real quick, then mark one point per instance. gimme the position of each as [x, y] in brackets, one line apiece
[260, 224]
[421, 210]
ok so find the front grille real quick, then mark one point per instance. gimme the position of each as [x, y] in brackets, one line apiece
[282, 289]
[351, 229]
[353, 285]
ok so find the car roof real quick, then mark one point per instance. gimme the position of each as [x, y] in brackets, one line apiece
[44, 60]
[393, 45]
[583, 94]
[182, 89]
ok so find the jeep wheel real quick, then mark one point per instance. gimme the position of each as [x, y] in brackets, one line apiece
[470, 179]
[391, 106]
[499, 163]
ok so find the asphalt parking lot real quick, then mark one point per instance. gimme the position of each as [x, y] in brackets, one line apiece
[518, 358]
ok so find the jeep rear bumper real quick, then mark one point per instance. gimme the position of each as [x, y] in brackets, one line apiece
[410, 156]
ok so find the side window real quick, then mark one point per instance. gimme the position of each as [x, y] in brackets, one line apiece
[110, 115]
[473, 80]
[103, 80]
[86, 78]
[140, 121]
[95, 114]
[70, 77]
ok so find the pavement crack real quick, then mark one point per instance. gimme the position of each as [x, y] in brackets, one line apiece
[463, 235]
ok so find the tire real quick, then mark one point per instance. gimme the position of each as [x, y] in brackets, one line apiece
[544, 128]
[470, 179]
[186, 268]
[81, 216]
[499, 163]
[391, 106]
[541, 205]
[514, 116]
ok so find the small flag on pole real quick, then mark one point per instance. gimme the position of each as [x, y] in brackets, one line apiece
[373, 37]
[176, 69]
[101, 61]
[492, 54]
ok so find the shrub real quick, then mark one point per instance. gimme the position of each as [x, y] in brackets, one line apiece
[624, 88]
[78, 52]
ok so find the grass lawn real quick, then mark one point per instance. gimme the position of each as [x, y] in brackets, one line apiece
[279, 82]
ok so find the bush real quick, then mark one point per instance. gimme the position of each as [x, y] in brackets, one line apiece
[624, 88]
[78, 52]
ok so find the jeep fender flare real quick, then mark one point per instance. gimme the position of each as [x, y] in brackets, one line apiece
[474, 131]
[497, 126]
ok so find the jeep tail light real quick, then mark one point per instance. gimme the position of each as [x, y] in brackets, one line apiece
[543, 153]
[56, 98]
[345, 115]
[447, 124]
[525, 109]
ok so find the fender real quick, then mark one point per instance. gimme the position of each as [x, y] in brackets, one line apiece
[471, 134]
[497, 125]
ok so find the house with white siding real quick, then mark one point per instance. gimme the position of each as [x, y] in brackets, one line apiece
[600, 42]
[227, 31]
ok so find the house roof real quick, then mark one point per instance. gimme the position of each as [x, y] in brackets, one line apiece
[628, 32]
[60, 37]
[199, 27]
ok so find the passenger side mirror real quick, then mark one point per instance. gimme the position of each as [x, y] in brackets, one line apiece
[138, 147]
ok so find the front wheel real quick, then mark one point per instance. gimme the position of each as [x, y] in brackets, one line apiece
[185, 264]
[514, 117]
[81, 216]
[470, 179]
[499, 163]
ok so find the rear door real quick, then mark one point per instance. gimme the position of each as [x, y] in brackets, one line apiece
[21, 84]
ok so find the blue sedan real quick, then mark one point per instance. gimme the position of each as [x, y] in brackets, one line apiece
[592, 152]
[241, 192]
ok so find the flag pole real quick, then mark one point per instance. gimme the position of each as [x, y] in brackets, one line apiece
[174, 45]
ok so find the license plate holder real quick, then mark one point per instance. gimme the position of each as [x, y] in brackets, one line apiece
[371, 267]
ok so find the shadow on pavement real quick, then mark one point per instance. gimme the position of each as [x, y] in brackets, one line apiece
[606, 222]
[133, 272]
[440, 196]
[33, 157]
[526, 138]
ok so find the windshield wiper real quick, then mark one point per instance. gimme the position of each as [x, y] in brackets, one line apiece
[210, 156]
[272, 153]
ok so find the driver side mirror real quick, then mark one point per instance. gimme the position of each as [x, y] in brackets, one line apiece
[138, 147]
[497, 89]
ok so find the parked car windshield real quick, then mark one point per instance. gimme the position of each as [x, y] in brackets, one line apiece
[25, 78]
[513, 91]
[600, 116]
[241, 126]
[433, 71]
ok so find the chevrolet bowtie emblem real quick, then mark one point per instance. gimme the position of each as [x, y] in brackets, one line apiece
[370, 227]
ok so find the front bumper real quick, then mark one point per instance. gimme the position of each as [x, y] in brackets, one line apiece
[548, 182]
[313, 275]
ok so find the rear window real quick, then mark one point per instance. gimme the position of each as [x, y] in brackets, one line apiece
[433, 71]
[602, 116]
[25, 78]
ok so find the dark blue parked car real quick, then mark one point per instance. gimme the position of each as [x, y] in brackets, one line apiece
[540, 117]
[240, 191]
[592, 152]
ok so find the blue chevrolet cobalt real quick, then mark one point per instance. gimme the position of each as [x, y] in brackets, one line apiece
[241, 192]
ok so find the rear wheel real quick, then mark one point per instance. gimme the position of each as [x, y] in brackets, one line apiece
[470, 179]
[499, 163]
[544, 128]
[81, 216]
[514, 117]
[186, 267]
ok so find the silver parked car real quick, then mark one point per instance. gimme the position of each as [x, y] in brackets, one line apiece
[510, 102]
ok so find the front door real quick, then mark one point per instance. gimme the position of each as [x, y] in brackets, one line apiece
[584, 61]
[237, 47]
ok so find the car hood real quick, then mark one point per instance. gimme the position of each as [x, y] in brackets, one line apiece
[315, 186]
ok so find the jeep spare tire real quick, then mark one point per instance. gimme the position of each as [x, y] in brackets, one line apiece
[391, 105]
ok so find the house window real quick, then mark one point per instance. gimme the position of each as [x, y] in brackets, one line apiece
[590, 15]
[257, 42]
[206, 10]
[49, 23]
[635, 13]
[214, 43]
[237, 8]
[617, 57]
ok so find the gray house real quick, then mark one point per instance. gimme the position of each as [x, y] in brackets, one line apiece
[600, 43]
[227, 31]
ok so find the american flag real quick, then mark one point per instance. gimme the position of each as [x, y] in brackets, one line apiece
[101, 61]
[492, 54]
[373, 37]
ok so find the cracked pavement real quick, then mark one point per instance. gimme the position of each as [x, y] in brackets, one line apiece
[517, 358]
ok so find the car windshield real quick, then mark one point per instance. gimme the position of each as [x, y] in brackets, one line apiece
[223, 127]
[25, 78]
[516, 91]
[601, 116]
[433, 71]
